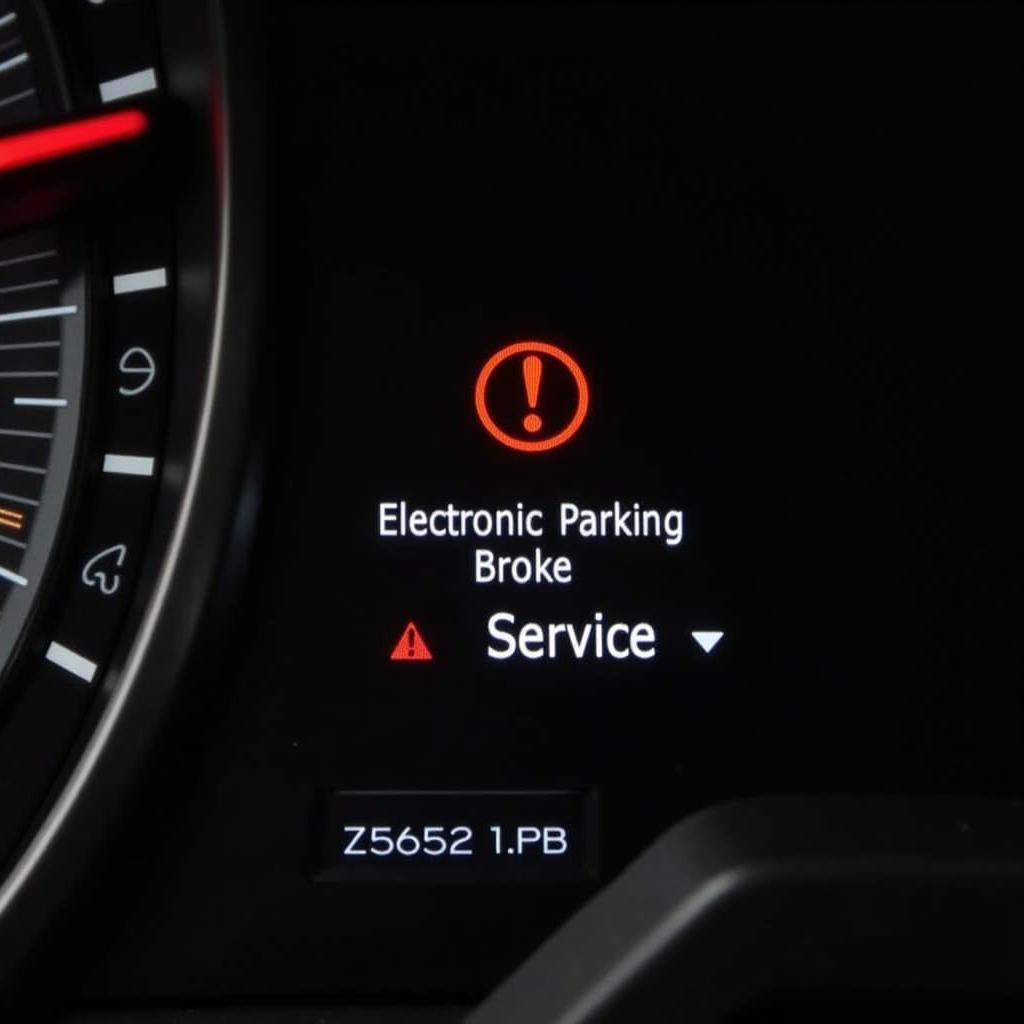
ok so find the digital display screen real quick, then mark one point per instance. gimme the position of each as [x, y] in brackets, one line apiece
[458, 837]
[538, 542]
[601, 495]
[543, 531]
[546, 564]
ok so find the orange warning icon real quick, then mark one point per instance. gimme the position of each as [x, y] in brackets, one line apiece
[410, 646]
[542, 433]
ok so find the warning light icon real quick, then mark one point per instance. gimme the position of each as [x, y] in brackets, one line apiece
[410, 646]
[531, 396]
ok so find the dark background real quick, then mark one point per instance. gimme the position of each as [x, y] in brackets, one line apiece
[781, 240]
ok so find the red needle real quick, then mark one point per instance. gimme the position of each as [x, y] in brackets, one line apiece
[41, 145]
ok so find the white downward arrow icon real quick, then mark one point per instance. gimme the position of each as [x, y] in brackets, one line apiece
[707, 638]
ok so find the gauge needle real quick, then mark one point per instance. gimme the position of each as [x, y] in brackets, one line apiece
[43, 145]
[46, 169]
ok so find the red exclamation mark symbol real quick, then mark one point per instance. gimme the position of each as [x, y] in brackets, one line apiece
[410, 646]
[532, 367]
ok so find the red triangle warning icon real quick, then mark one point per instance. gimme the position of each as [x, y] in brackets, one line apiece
[410, 646]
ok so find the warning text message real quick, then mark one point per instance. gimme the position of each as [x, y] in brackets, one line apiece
[570, 521]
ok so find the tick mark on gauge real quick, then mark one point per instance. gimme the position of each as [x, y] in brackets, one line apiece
[12, 577]
[49, 282]
[9, 101]
[140, 281]
[17, 467]
[29, 257]
[129, 465]
[20, 499]
[21, 345]
[11, 519]
[128, 85]
[69, 660]
[13, 62]
[41, 403]
[40, 435]
[37, 314]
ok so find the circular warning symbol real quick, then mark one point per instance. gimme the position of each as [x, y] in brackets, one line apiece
[531, 396]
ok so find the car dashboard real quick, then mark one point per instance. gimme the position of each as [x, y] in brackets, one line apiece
[508, 512]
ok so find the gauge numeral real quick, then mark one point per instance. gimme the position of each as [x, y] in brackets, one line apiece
[139, 364]
[99, 573]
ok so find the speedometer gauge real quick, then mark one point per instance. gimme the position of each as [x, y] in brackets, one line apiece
[113, 225]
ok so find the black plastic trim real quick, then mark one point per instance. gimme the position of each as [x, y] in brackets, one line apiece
[808, 896]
